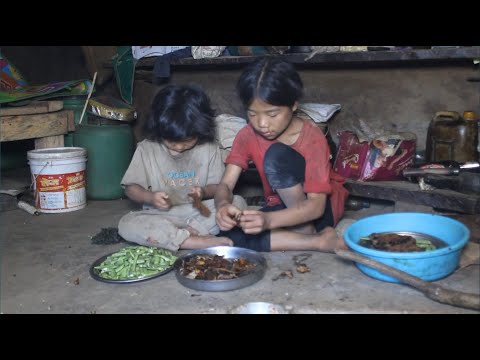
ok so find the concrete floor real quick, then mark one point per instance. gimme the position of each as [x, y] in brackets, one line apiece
[46, 260]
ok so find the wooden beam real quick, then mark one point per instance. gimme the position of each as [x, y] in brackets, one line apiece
[20, 127]
[37, 107]
[435, 55]
[50, 142]
[409, 192]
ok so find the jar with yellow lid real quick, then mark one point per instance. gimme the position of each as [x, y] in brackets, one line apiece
[452, 136]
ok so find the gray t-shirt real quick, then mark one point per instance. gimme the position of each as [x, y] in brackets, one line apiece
[155, 169]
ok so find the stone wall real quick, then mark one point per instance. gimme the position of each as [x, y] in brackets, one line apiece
[390, 98]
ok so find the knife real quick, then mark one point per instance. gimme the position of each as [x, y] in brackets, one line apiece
[440, 171]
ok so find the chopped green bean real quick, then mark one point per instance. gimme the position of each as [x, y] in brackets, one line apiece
[135, 262]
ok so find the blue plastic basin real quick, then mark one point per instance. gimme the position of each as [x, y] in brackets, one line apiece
[427, 265]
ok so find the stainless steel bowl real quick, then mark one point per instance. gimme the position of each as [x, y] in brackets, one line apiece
[249, 277]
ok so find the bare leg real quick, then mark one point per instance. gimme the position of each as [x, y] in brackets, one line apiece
[291, 197]
[191, 230]
[198, 242]
[326, 240]
[204, 241]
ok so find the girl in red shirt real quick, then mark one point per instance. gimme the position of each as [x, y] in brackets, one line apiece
[304, 197]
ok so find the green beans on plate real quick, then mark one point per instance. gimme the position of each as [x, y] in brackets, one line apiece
[135, 262]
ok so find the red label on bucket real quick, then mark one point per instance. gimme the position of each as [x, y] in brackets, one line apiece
[61, 191]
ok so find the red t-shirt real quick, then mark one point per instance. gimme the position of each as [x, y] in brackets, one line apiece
[312, 145]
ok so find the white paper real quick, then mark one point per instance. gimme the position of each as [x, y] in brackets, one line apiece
[145, 51]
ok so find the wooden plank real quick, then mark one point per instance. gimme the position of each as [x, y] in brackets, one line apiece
[21, 127]
[50, 142]
[409, 192]
[37, 107]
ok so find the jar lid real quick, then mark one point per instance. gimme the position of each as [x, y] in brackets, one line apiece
[469, 115]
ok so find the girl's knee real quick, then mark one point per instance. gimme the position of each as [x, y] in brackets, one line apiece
[283, 166]
[125, 219]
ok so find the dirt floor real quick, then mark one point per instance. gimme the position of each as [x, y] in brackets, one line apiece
[45, 262]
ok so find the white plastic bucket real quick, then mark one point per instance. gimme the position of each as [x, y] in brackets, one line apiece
[59, 178]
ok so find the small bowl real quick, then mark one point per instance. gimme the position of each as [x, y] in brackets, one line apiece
[427, 265]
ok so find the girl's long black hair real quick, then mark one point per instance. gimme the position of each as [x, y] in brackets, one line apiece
[180, 112]
[272, 80]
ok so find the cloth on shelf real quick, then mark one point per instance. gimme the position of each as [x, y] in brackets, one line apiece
[319, 112]
[201, 52]
[227, 128]
[161, 68]
[139, 52]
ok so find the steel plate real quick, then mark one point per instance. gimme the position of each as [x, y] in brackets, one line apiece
[249, 277]
[95, 273]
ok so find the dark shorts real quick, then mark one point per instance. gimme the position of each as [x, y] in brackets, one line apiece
[284, 168]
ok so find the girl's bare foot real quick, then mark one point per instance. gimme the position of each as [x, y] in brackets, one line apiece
[191, 230]
[326, 240]
[152, 242]
[329, 240]
[205, 241]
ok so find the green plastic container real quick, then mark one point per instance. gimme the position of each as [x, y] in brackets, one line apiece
[76, 104]
[109, 151]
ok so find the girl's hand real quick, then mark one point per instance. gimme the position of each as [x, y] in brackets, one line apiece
[161, 201]
[226, 217]
[254, 222]
[198, 192]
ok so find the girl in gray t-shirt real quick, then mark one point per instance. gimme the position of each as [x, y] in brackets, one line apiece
[173, 172]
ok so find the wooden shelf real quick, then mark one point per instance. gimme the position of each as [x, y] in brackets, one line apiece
[43, 121]
[435, 55]
[408, 192]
